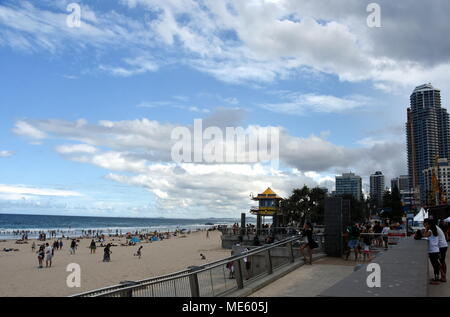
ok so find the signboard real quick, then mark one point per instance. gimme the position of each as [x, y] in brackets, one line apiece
[395, 235]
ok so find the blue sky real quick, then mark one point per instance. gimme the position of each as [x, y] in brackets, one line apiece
[86, 113]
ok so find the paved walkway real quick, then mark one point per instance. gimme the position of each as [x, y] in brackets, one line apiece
[443, 289]
[309, 280]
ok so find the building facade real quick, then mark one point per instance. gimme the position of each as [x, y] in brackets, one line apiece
[437, 183]
[349, 184]
[377, 188]
[428, 135]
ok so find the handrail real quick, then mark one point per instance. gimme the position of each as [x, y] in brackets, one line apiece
[187, 272]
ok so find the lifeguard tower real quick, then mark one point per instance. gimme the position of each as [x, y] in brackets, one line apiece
[269, 206]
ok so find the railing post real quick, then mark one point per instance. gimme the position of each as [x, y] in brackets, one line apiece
[291, 252]
[269, 262]
[193, 282]
[239, 276]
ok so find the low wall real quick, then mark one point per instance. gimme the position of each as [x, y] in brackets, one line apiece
[404, 273]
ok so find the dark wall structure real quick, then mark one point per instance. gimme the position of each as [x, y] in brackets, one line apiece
[337, 216]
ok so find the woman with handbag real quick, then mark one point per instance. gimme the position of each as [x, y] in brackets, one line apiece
[310, 243]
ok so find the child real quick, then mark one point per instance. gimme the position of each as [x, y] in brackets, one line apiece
[138, 253]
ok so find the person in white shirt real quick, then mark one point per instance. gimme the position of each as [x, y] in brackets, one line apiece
[384, 233]
[431, 233]
[443, 245]
[48, 255]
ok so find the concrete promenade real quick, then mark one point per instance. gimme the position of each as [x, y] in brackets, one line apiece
[443, 289]
[405, 272]
[309, 280]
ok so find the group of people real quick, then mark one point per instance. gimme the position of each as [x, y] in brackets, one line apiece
[46, 251]
[359, 238]
[437, 236]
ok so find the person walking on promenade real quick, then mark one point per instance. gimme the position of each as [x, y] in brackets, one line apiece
[92, 246]
[384, 233]
[107, 253]
[443, 246]
[353, 240]
[431, 233]
[310, 243]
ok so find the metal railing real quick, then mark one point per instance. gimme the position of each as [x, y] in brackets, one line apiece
[287, 231]
[213, 279]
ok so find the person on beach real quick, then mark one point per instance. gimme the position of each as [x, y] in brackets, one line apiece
[33, 247]
[73, 246]
[93, 246]
[55, 245]
[139, 252]
[60, 244]
[207, 234]
[202, 256]
[41, 255]
[310, 243]
[48, 255]
[107, 253]
[431, 233]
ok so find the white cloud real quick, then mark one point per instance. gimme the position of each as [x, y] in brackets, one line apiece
[250, 41]
[21, 190]
[301, 104]
[6, 153]
[137, 153]
[77, 148]
[25, 129]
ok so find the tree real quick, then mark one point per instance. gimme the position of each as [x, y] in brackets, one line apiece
[304, 204]
[359, 209]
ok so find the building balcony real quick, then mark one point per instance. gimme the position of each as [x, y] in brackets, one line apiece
[264, 211]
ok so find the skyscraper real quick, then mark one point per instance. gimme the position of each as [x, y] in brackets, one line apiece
[377, 188]
[349, 184]
[428, 135]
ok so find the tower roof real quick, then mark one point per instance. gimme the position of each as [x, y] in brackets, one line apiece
[268, 194]
[424, 87]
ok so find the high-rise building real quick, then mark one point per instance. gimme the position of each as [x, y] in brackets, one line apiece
[349, 184]
[377, 188]
[406, 192]
[437, 182]
[428, 135]
[401, 182]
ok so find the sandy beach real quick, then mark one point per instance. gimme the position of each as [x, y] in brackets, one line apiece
[20, 275]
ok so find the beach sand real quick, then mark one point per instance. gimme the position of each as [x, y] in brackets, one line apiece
[20, 275]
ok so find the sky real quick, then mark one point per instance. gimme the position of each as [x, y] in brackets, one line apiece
[87, 111]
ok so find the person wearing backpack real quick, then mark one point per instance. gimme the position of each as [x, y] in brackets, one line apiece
[353, 240]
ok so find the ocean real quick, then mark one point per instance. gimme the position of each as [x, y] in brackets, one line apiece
[11, 225]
